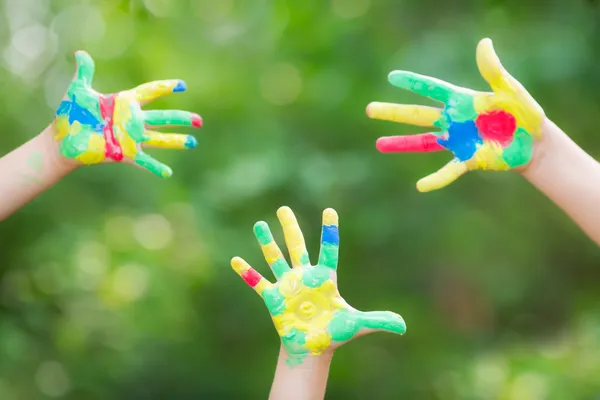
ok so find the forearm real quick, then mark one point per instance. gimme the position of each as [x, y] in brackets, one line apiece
[306, 381]
[569, 177]
[29, 170]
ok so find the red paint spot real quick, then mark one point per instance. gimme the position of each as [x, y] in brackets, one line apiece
[107, 109]
[421, 143]
[196, 121]
[497, 125]
[251, 277]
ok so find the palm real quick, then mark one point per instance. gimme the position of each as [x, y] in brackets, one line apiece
[308, 312]
[93, 127]
[487, 131]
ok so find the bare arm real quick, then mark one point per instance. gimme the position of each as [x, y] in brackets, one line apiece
[29, 170]
[303, 382]
[569, 177]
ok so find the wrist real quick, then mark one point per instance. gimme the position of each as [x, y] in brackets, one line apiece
[306, 361]
[543, 150]
[61, 165]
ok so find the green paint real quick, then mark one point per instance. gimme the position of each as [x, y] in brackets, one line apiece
[304, 259]
[520, 150]
[135, 126]
[263, 233]
[85, 67]
[347, 323]
[423, 85]
[294, 343]
[75, 145]
[328, 257]
[168, 117]
[35, 162]
[461, 108]
[86, 98]
[147, 162]
[274, 300]
[280, 267]
[313, 277]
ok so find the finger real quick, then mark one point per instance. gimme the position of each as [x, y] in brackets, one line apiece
[172, 118]
[445, 176]
[170, 140]
[85, 67]
[433, 88]
[422, 143]
[330, 240]
[249, 275]
[380, 321]
[491, 68]
[149, 163]
[270, 249]
[294, 240]
[404, 113]
[153, 90]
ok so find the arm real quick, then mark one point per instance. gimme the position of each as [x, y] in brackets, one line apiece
[29, 170]
[303, 382]
[569, 177]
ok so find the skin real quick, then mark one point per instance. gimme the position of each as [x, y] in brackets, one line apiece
[307, 309]
[77, 136]
[538, 148]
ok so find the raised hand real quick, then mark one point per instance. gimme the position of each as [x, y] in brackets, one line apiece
[487, 131]
[94, 128]
[307, 309]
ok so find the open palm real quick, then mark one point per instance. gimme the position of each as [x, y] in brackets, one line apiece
[308, 312]
[484, 130]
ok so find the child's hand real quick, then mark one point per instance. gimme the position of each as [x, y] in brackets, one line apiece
[93, 127]
[307, 309]
[487, 131]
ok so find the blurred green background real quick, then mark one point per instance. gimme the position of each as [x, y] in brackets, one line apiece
[117, 285]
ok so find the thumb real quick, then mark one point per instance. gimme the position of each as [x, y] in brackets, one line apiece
[381, 321]
[85, 67]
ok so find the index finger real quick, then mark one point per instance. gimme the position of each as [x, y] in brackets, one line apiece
[427, 86]
[150, 91]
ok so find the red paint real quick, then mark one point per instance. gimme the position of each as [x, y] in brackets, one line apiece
[497, 125]
[107, 109]
[196, 121]
[251, 277]
[422, 143]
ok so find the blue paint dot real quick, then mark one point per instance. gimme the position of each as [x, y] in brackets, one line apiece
[191, 142]
[463, 139]
[181, 87]
[330, 235]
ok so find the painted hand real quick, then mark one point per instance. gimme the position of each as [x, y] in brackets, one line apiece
[486, 131]
[307, 309]
[94, 128]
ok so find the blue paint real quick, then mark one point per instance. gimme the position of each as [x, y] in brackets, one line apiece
[330, 235]
[181, 87]
[64, 108]
[463, 139]
[80, 114]
[191, 142]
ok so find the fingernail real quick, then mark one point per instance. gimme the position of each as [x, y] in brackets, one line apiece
[196, 121]
[181, 87]
[191, 142]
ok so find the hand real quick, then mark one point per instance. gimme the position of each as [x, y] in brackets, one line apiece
[487, 131]
[93, 127]
[307, 309]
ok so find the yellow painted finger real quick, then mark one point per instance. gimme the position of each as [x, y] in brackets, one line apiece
[404, 113]
[445, 176]
[294, 239]
[249, 275]
[170, 140]
[153, 90]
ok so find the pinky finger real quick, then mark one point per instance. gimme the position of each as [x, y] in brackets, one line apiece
[255, 280]
[149, 163]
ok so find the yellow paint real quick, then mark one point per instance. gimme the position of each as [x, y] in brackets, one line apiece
[95, 150]
[166, 140]
[309, 310]
[445, 176]
[510, 94]
[271, 252]
[404, 113]
[122, 115]
[62, 128]
[330, 217]
[153, 90]
[488, 157]
[294, 239]
[240, 266]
